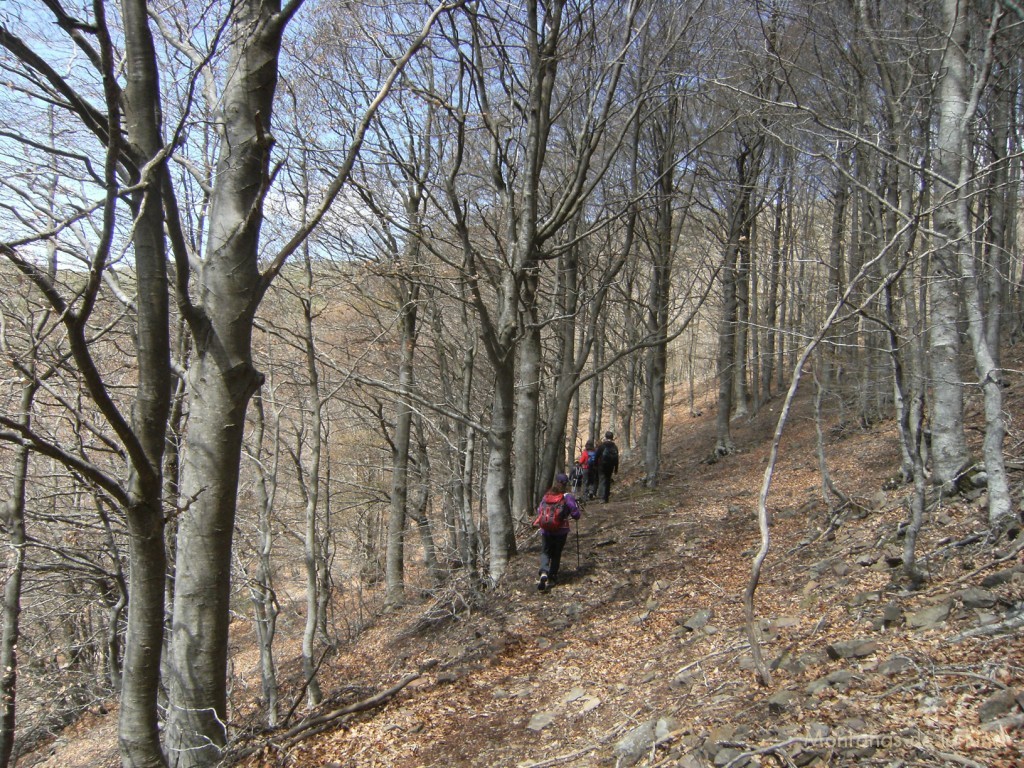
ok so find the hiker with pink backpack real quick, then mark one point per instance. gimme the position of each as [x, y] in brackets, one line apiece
[553, 515]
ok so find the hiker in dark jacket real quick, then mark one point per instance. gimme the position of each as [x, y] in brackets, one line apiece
[607, 461]
[553, 542]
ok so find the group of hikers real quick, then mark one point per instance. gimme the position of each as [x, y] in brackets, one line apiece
[591, 478]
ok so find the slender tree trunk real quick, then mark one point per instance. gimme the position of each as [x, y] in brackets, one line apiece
[418, 513]
[909, 397]
[597, 389]
[998, 245]
[112, 646]
[658, 311]
[726, 344]
[172, 494]
[137, 724]
[737, 238]
[13, 516]
[785, 319]
[740, 404]
[772, 310]
[633, 368]
[956, 113]
[471, 545]
[835, 286]
[262, 592]
[754, 335]
[312, 550]
[395, 557]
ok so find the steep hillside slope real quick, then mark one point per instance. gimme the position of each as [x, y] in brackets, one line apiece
[639, 655]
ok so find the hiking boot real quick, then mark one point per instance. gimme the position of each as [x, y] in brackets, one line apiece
[543, 583]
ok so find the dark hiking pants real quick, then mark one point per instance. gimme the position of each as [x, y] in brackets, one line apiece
[551, 546]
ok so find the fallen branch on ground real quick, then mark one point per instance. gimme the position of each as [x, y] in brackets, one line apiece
[319, 723]
[1012, 622]
[968, 576]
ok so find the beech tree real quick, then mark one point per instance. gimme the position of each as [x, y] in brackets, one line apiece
[959, 98]
[126, 125]
[13, 516]
[218, 285]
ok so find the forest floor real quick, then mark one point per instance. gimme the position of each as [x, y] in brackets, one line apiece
[639, 656]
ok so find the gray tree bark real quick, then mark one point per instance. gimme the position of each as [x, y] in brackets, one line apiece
[12, 514]
[420, 492]
[527, 409]
[309, 480]
[667, 226]
[958, 105]
[949, 445]
[395, 556]
[262, 592]
[222, 378]
[748, 163]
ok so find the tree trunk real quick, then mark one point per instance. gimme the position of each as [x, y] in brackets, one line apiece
[949, 445]
[262, 592]
[754, 330]
[1000, 194]
[470, 544]
[772, 310]
[956, 113]
[527, 410]
[221, 381]
[395, 557]
[633, 367]
[196, 729]
[137, 723]
[726, 345]
[13, 517]
[658, 314]
[596, 393]
[785, 319]
[418, 512]
[309, 478]
[737, 238]
[740, 404]
[835, 286]
[499, 514]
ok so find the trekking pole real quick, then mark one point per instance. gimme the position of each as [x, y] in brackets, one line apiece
[577, 546]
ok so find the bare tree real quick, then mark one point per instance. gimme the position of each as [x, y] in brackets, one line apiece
[128, 127]
[13, 518]
[263, 595]
[959, 99]
[739, 221]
